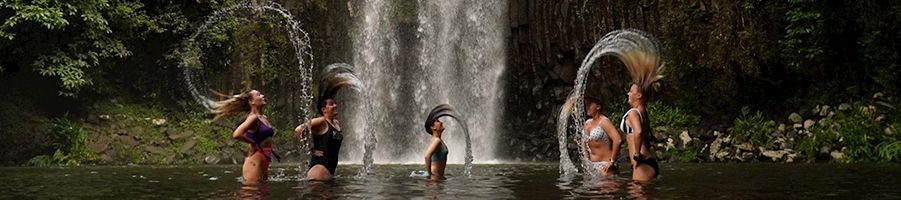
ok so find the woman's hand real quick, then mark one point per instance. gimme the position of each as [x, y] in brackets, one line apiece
[609, 168]
[298, 131]
[318, 153]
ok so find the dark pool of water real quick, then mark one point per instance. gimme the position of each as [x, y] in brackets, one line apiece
[507, 181]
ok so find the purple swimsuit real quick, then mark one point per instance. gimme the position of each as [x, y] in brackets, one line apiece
[259, 136]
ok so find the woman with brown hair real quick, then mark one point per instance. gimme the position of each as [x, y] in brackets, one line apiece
[601, 141]
[255, 130]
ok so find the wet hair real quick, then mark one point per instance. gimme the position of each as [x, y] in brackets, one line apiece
[321, 103]
[232, 104]
[590, 99]
[433, 124]
[645, 68]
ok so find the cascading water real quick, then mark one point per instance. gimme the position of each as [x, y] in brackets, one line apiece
[618, 43]
[451, 52]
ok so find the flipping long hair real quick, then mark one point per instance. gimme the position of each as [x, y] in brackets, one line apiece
[644, 67]
[232, 104]
[333, 78]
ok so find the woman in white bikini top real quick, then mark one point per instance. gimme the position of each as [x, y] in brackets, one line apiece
[602, 141]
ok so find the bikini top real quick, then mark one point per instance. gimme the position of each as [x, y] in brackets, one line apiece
[598, 134]
[623, 126]
[259, 136]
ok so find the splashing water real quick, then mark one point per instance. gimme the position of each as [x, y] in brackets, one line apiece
[194, 70]
[446, 110]
[637, 50]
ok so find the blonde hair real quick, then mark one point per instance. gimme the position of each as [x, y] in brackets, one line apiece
[644, 67]
[232, 104]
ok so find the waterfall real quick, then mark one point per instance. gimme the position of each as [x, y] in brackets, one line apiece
[413, 57]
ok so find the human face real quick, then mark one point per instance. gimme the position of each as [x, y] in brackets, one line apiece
[593, 108]
[634, 95]
[331, 108]
[437, 128]
[257, 99]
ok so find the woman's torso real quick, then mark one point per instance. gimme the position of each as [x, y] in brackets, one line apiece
[261, 134]
[626, 127]
[599, 143]
[440, 154]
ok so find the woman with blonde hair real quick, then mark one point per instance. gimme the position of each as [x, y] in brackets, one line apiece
[644, 67]
[255, 130]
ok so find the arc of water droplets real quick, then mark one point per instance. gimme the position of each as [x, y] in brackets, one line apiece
[300, 40]
[449, 111]
[614, 43]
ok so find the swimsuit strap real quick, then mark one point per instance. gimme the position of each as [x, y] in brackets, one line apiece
[625, 127]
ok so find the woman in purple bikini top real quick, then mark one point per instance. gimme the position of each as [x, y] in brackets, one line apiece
[262, 133]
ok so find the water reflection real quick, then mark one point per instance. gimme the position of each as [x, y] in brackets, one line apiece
[315, 189]
[258, 190]
[637, 190]
[530, 181]
[433, 188]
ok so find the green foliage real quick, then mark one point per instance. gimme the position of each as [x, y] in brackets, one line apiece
[890, 151]
[753, 128]
[672, 120]
[805, 34]
[71, 149]
[83, 36]
[855, 132]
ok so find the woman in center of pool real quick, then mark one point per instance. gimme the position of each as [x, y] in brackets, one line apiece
[601, 141]
[436, 155]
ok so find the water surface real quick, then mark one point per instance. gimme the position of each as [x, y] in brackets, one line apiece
[505, 181]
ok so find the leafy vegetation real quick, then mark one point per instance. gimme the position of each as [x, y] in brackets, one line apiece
[71, 149]
[753, 128]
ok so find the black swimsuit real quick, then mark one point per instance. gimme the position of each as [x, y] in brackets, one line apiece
[623, 126]
[330, 144]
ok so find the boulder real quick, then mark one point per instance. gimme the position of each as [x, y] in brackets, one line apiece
[824, 111]
[99, 147]
[775, 155]
[159, 122]
[715, 147]
[184, 134]
[844, 107]
[836, 155]
[155, 149]
[670, 144]
[686, 139]
[211, 159]
[128, 140]
[808, 123]
[795, 118]
[746, 156]
[745, 147]
[791, 156]
[188, 147]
